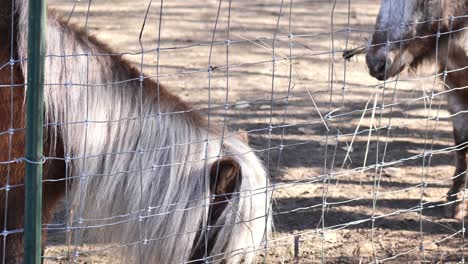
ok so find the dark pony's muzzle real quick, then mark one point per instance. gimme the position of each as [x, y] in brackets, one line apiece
[378, 65]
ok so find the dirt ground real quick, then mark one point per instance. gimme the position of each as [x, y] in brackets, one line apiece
[314, 103]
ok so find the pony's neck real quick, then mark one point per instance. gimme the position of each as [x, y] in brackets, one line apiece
[156, 96]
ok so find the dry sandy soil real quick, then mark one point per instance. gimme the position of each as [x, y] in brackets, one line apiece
[312, 168]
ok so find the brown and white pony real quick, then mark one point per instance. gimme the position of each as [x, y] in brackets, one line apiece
[142, 169]
[408, 32]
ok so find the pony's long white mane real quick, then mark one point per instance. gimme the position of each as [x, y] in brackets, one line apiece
[140, 173]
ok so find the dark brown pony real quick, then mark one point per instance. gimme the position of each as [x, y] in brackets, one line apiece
[408, 32]
[143, 160]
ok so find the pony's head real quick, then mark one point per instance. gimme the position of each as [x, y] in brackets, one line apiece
[405, 34]
[238, 216]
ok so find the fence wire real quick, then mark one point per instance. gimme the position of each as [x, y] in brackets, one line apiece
[359, 169]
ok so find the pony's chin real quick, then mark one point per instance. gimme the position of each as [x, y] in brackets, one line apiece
[390, 73]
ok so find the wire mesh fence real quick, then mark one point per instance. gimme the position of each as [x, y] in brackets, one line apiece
[210, 131]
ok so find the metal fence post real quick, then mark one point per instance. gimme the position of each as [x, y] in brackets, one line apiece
[34, 131]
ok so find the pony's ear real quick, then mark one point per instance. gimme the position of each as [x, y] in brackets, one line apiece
[243, 135]
[225, 176]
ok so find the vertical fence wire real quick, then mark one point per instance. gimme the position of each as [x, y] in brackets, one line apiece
[364, 135]
[11, 128]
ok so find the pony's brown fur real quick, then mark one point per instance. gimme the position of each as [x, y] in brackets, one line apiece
[435, 32]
